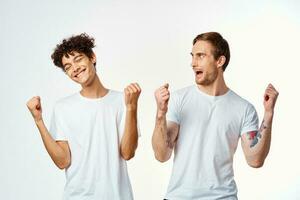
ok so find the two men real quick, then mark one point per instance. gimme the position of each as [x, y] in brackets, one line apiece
[202, 123]
[92, 133]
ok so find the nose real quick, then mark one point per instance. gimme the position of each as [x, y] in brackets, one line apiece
[76, 67]
[194, 63]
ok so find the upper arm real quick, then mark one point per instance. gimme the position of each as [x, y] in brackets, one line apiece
[245, 143]
[249, 131]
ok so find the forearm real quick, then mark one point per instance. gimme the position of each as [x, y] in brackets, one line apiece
[256, 144]
[57, 154]
[130, 137]
[259, 149]
[160, 138]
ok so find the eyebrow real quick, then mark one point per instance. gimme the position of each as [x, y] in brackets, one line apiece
[198, 54]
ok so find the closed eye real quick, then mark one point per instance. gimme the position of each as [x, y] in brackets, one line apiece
[78, 58]
[67, 67]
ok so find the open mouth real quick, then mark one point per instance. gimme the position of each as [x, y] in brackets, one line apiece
[198, 72]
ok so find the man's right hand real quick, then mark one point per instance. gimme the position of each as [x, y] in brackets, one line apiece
[35, 107]
[162, 96]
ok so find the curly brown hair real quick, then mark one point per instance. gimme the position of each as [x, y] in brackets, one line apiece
[82, 43]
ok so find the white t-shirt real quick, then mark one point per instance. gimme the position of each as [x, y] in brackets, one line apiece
[210, 127]
[93, 129]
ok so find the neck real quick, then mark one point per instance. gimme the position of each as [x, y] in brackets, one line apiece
[93, 90]
[217, 88]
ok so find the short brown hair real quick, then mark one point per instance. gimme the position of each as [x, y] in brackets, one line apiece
[82, 43]
[221, 47]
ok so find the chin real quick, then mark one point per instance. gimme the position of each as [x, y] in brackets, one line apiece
[203, 82]
[81, 81]
[84, 83]
[199, 82]
[87, 82]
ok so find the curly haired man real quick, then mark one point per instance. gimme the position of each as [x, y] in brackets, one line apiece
[94, 131]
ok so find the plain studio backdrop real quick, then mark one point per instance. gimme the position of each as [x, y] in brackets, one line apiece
[148, 42]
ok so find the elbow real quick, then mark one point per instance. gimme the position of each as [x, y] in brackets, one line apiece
[127, 150]
[61, 167]
[256, 163]
[127, 156]
[161, 158]
[160, 154]
[64, 164]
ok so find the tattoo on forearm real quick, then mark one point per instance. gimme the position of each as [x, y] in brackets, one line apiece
[254, 136]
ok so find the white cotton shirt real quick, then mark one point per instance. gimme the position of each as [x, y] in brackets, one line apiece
[93, 129]
[210, 127]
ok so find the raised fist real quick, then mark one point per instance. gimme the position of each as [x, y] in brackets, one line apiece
[35, 107]
[270, 98]
[162, 96]
[132, 93]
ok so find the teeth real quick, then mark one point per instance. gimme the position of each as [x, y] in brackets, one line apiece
[79, 73]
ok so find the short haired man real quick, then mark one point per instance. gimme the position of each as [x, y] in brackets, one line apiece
[202, 123]
[93, 132]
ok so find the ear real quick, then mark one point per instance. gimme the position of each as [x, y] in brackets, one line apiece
[94, 59]
[221, 61]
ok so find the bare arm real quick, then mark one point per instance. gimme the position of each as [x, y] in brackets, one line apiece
[58, 150]
[256, 144]
[164, 138]
[129, 140]
[165, 133]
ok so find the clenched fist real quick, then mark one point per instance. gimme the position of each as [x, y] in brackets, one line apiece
[270, 98]
[35, 107]
[162, 96]
[132, 93]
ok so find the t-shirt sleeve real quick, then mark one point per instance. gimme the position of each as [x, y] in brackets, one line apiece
[57, 127]
[250, 122]
[173, 113]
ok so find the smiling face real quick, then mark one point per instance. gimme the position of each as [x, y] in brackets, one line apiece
[205, 66]
[79, 67]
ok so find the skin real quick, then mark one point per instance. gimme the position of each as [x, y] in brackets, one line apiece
[256, 144]
[79, 68]
[59, 151]
[209, 78]
[129, 140]
[165, 133]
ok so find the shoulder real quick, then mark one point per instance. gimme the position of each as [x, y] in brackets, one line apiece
[66, 101]
[114, 100]
[63, 105]
[115, 96]
[241, 102]
[183, 92]
[115, 93]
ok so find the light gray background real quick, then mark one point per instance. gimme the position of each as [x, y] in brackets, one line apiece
[148, 42]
